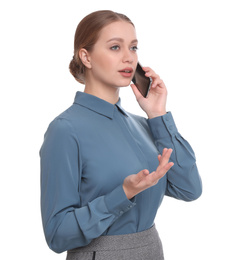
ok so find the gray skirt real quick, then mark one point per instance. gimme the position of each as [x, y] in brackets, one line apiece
[138, 246]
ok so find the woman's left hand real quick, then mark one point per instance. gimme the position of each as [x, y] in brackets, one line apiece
[155, 103]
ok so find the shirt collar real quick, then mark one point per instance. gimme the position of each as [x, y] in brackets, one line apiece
[98, 105]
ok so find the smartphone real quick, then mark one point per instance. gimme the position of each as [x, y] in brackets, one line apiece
[142, 82]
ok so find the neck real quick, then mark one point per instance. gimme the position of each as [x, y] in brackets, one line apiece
[109, 94]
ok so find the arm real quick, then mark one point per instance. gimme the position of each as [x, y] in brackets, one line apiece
[67, 224]
[183, 180]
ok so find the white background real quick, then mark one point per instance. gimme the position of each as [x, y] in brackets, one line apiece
[193, 45]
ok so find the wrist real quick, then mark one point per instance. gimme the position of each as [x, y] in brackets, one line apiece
[156, 114]
[129, 195]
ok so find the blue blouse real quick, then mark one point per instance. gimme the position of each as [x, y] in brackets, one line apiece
[87, 152]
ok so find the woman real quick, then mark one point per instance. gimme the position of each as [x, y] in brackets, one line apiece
[104, 170]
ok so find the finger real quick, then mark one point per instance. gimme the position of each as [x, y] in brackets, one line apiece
[158, 82]
[141, 175]
[145, 172]
[169, 152]
[166, 156]
[168, 166]
[155, 176]
[147, 69]
[164, 159]
[150, 72]
[159, 157]
[161, 171]
[163, 153]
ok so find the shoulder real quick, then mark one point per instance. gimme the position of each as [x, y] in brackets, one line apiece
[71, 123]
[59, 138]
[59, 133]
[67, 119]
[62, 125]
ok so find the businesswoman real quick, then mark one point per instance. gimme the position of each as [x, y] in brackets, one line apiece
[105, 171]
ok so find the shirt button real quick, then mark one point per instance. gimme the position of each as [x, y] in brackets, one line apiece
[170, 127]
[121, 212]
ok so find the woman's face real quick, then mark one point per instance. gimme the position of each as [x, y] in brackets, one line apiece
[114, 59]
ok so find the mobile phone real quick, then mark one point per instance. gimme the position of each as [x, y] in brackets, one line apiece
[142, 82]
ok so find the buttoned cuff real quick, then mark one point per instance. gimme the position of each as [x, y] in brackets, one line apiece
[117, 202]
[162, 126]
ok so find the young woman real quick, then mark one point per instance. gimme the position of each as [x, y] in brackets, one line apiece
[104, 171]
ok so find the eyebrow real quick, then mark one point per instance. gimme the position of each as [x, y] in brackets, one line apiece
[121, 40]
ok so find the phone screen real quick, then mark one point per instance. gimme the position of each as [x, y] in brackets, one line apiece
[142, 82]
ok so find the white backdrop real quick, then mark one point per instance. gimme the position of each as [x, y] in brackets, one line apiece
[193, 45]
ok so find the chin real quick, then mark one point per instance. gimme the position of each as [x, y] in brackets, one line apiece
[124, 86]
[125, 83]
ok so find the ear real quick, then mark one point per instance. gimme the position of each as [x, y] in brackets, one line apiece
[85, 57]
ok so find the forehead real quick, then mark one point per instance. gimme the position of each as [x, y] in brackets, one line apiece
[119, 29]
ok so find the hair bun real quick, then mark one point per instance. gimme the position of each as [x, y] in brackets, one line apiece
[77, 70]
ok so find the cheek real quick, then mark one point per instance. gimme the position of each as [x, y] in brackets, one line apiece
[104, 63]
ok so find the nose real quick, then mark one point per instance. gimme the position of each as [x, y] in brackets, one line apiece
[128, 56]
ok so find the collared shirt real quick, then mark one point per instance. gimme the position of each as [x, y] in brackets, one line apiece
[87, 153]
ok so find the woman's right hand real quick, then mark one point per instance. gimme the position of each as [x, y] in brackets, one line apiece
[136, 183]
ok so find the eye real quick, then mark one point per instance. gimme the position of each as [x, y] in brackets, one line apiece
[115, 48]
[134, 48]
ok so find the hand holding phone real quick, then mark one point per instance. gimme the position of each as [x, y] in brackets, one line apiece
[155, 104]
[142, 82]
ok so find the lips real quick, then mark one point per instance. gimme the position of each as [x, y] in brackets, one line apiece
[126, 72]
